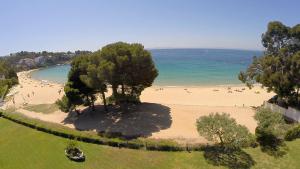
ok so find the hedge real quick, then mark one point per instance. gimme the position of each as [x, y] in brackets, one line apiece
[93, 137]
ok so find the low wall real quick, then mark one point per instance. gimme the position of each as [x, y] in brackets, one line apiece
[290, 112]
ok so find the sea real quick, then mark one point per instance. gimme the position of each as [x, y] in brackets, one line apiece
[181, 67]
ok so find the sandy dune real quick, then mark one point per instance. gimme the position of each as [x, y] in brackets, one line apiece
[166, 112]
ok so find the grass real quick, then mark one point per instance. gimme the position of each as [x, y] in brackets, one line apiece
[25, 148]
[94, 137]
[42, 108]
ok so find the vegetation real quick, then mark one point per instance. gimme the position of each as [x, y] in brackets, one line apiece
[223, 130]
[127, 68]
[270, 131]
[64, 104]
[8, 78]
[293, 133]
[49, 148]
[278, 69]
[42, 108]
[73, 152]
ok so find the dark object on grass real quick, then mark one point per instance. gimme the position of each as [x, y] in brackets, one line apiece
[75, 154]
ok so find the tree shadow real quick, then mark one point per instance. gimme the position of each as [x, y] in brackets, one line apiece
[272, 146]
[141, 121]
[231, 158]
[277, 152]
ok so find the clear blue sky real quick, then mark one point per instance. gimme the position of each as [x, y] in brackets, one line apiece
[62, 25]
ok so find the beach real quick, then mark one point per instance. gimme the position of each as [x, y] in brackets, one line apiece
[168, 112]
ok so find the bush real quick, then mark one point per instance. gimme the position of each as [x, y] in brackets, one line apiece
[270, 132]
[293, 133]
[270, 125]
[64, 104]
[223, 130]
[162, 145]
[72, 144]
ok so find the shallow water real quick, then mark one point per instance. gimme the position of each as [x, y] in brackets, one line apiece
[182, 67]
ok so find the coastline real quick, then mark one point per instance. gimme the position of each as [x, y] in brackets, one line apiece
[29, 72]
[180, 106]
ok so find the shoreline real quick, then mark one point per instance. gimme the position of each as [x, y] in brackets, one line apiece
[204, 85]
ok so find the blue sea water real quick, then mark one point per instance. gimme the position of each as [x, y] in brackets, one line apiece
[182, 67]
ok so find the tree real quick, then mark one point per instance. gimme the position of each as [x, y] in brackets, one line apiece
[277, 69]
[295, 73]
[127, 68]
[131, 70]
[76, 90]
[223, 130]
[94, 80]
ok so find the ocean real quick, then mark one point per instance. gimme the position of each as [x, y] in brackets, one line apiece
[182, 67]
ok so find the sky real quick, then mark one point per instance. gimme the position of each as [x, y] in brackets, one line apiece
[68, 25]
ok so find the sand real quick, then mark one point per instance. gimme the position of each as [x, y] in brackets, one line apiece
[166, 112]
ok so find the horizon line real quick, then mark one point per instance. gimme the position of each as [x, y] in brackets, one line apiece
[151, 48]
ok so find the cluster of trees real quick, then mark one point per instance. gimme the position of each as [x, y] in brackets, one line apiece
[279, 68]
[127, 68]
[8, 78]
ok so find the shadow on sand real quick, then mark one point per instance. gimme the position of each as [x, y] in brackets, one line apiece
[144, 120]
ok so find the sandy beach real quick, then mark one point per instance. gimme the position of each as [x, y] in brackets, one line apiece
[166, 112]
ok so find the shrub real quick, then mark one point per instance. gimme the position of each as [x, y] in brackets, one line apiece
[72, 144]
[270, 132]
[162, 145]
[64, 104]
[271, 126]
[293, 133]
[223, 130]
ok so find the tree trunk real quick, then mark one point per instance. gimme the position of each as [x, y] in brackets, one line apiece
[93, 105]
[221, 139]
[104, 101]
[123, 90]
[115, 92]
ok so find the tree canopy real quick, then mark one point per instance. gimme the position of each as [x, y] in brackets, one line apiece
[222, 129]
[127, 68]
[278, 69]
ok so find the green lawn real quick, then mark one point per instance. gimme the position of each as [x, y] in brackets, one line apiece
[42, 108]
[26, 148]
